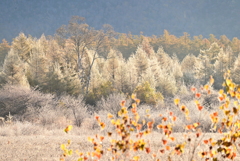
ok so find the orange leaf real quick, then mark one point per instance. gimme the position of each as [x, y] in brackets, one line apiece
[139, 126]
[150, 124]
[122, 103]
[200, 107]
[171, 113]
[220, 98]
[110, 115]
[205, 141]
[215, 114]
[164, 118]
[183, 108]
[162, 151]
[174, 118]
[159, 126]
[198, 95]
[189, 127]
[164, 142]
[101, 138]
[172, 138]
[137, 101]
[97, 117]
[154, 155]
[148, 150]
[168, 147]
[102, 125]
[198, 134]
[193, 89]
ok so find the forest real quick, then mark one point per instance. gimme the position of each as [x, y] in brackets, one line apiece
[79, 60]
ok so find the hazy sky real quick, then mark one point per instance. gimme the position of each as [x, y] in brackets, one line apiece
[35, 17]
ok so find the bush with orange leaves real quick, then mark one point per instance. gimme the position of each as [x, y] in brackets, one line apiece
[132, 138]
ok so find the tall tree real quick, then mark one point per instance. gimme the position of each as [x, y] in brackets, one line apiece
[14, 70]
[84, 37]
[22, 45]
[4, 49]
[37, 64]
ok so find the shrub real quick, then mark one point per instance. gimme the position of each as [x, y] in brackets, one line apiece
[147, 94]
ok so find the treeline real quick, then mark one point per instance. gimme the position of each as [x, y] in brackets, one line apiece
[80, 60]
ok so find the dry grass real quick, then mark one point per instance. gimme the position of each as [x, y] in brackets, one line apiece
[47, 147]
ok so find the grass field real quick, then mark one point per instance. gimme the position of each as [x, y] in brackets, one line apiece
[47, 147]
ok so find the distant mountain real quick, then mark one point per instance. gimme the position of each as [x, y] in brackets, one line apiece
[196, 17]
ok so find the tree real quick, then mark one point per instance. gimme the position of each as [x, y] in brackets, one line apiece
[37, 64]
[22, 46]
[188, 67]
[236, 71]
[111, 66]
[14, 70]
[82, 38]
[54, 80]
[4, 49]
[140, 62]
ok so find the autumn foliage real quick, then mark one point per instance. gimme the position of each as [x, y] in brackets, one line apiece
[132, 132]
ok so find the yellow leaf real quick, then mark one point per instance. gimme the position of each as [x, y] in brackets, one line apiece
[69, 141]
[110, 115]
[211, 81]
[133, 96]
[176, 101]
[70, 152]
[63, 146]
[136, 158]
[206, 87]
[221, 92]
[68, 128]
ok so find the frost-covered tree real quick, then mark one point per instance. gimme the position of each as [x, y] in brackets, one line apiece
[14, 70]
[236, 71]
[37, 64]
[141, 62]
[188, 66]
[22, 45]
[111, 66]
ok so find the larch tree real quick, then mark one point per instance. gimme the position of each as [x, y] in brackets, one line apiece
[123, 79]
[131, 74]
[208, 59]
[37, 64]
[111, 66]
[188, 68]
[22, 45]
[141, 62]
[4, 49]
[14, 70]
[236, 71]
